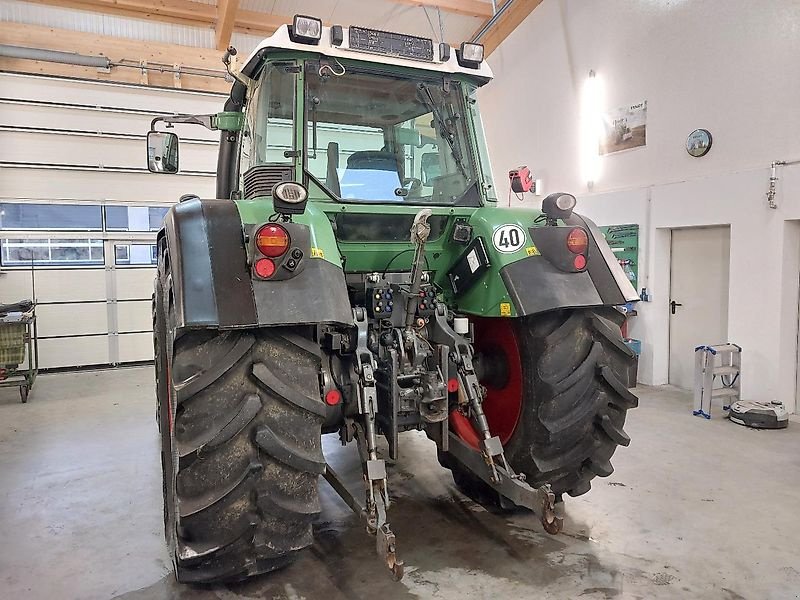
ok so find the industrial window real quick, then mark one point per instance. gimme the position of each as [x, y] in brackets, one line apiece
[83, 217]
[51, 252]
[135, 254]
[135, 218]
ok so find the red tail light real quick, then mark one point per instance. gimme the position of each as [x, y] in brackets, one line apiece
[579, 262]
[272, 240]
[577, 241]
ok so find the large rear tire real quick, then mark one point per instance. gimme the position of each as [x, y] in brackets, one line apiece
[240, 420]
[567, 368]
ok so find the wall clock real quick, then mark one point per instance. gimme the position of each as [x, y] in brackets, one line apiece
[699, 142]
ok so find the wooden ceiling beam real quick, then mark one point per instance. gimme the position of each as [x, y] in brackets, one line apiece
[117, 49]
[516, 13]
[226, 16]
[469, 8]
[258, 23]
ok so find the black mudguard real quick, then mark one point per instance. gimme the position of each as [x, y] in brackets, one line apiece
[211, 279]
[538, 284]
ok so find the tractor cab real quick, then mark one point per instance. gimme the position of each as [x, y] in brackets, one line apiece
[368, 116]
[365, 135]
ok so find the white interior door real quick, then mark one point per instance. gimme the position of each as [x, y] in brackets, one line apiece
[699, 270]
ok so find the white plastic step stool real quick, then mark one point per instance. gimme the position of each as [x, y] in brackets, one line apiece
[707, 369]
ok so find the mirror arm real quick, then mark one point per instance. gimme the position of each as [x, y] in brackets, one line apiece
[228, 121]
[206, 121]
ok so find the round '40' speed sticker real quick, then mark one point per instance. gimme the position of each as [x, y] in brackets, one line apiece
[508, 238]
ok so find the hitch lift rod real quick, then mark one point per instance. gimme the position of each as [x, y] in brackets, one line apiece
[385, 543]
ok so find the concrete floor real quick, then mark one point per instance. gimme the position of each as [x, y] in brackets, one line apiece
[695, 509]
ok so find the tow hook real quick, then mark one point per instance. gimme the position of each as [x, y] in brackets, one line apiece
[552, 512]
[387, 551]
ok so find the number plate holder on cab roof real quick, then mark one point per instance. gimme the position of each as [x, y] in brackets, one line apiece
[390, 44]
[473, 263]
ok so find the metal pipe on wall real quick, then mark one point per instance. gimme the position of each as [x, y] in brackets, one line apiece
[101, 62]
[66, 58]
[772, 190]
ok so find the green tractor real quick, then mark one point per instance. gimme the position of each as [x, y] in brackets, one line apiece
[356, 276]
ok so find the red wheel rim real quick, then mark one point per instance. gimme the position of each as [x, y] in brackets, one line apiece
[495, 338]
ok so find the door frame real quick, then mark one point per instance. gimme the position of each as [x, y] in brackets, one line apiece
[668, 298]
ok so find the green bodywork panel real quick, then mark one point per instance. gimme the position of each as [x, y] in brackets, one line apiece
[323, 241]
[486, 297]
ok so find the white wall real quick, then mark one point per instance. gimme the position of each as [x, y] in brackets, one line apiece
[729, 66]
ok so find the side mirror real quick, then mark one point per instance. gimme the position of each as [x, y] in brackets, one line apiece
[430, 168]
[162, 152]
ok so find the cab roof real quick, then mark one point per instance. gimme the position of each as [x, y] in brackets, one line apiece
[280, 40]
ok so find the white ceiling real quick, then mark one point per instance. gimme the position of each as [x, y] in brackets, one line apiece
[378, 14]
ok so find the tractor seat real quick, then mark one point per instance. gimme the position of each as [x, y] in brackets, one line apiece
[371, 175]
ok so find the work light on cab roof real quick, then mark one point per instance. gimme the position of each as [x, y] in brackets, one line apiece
[470, 55]
[306, 30]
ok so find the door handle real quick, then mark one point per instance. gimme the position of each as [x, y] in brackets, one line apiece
[672, 306]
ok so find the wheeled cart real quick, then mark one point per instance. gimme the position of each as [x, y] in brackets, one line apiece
[18, 345]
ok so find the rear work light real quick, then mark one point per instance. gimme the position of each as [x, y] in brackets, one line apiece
[559, 205]
[470, 55]
[272, 240]
[577, 241]
[289, 198]
[306, 30]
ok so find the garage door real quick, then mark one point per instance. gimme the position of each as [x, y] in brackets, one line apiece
[79, 212]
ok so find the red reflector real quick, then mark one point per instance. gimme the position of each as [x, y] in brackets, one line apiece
[333, 397]
[264, 268]
[577, 241]
[580, 262]
[272, 240]
[452, 385]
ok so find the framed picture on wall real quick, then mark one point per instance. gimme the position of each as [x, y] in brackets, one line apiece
[624, 128]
